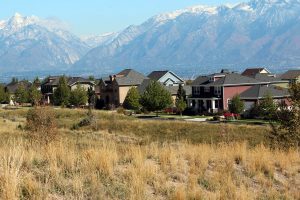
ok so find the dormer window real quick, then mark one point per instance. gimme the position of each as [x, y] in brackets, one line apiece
[196, 90]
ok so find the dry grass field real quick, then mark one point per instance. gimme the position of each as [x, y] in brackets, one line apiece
[120, 157]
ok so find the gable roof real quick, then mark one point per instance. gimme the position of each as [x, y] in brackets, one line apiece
[234, 79]
[172, 89]
[266, 78]
[253, 71]
[200, 80]
[13, 86]
[54, 80]
[260, 91]
[156, 75]
[291, 74]
[129, 77]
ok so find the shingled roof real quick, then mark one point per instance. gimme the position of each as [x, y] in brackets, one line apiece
[234, 79]
[266, 78]
[172, 89]
[253, 71]
[291, 74]
[129, 77]
[13, 86]
[260, 91]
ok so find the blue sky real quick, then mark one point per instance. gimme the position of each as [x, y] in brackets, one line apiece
[86, 17]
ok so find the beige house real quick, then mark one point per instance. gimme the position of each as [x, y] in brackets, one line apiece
[114, 89]
[292, 76]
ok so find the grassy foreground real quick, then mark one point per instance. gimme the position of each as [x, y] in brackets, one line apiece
[125, 158]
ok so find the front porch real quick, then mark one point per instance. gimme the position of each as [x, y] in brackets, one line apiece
[210, 105]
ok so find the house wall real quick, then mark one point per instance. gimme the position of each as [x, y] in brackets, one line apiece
[230, 91]
[283, 85]
[84, 85]
[123, 90]
[170, 76]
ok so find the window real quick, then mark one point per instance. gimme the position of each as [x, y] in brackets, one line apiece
[228, 101]
[206, 89]
[218, 90]
[196, 90]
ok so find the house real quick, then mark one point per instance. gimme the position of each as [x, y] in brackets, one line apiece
[272, 80]
[256, 93]
[293, 76]
[213, 93]
[253, 71]
[50, 84]
[114, 89]
[12, 87]
[167, 78]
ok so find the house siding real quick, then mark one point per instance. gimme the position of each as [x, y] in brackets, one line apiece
[230, 91]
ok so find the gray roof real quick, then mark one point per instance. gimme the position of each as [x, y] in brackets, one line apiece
[260, 91]
[129, 77]
[200, 80]
[291, 74]
[70, 80]
[12, 87]
[234, 79]
[156, 75]
[267, 78]
[172, 89]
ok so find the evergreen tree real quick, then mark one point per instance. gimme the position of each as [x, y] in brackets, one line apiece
[62, 92]
[288, 133]
[237, 105]
[181, 93]
[79, 96]
[156, 97]
[181, 105]
[132, 100]
[92, 98]
[4, 96]
[35, 95]
[14, 80]
[21, 95]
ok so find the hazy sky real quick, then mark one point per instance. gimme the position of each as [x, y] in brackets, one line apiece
[86, 17]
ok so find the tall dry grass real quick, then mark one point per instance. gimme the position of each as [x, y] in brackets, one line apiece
[86, 164]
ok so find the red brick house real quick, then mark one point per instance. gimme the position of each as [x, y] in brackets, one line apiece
[214, 92]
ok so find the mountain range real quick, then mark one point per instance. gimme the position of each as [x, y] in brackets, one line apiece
[195, 40]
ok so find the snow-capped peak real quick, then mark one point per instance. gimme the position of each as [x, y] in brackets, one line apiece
[194, 9]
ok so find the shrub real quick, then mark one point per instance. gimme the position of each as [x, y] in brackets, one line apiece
[41, 125]
[121, 110]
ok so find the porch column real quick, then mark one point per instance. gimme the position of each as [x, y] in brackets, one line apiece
[48, 99]
[213, 104]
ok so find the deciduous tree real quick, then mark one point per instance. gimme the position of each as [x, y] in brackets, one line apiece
[156, 97]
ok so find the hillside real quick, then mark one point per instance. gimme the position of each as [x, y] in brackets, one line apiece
[257, 33]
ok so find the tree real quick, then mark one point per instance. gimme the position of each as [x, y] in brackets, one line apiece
[4, 96]
[287, 134]
[14, 80]
[35, 95]
[181, 105]
[237, 105]
[267, 108]
[156, 97]
[21, 95]
[132, 100]
[181, 93]
[78, 96]
[62, 93]
[92, 98]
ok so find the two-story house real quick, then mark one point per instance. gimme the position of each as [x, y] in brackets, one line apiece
[114, 89]
[50, 84]
[214, 92]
